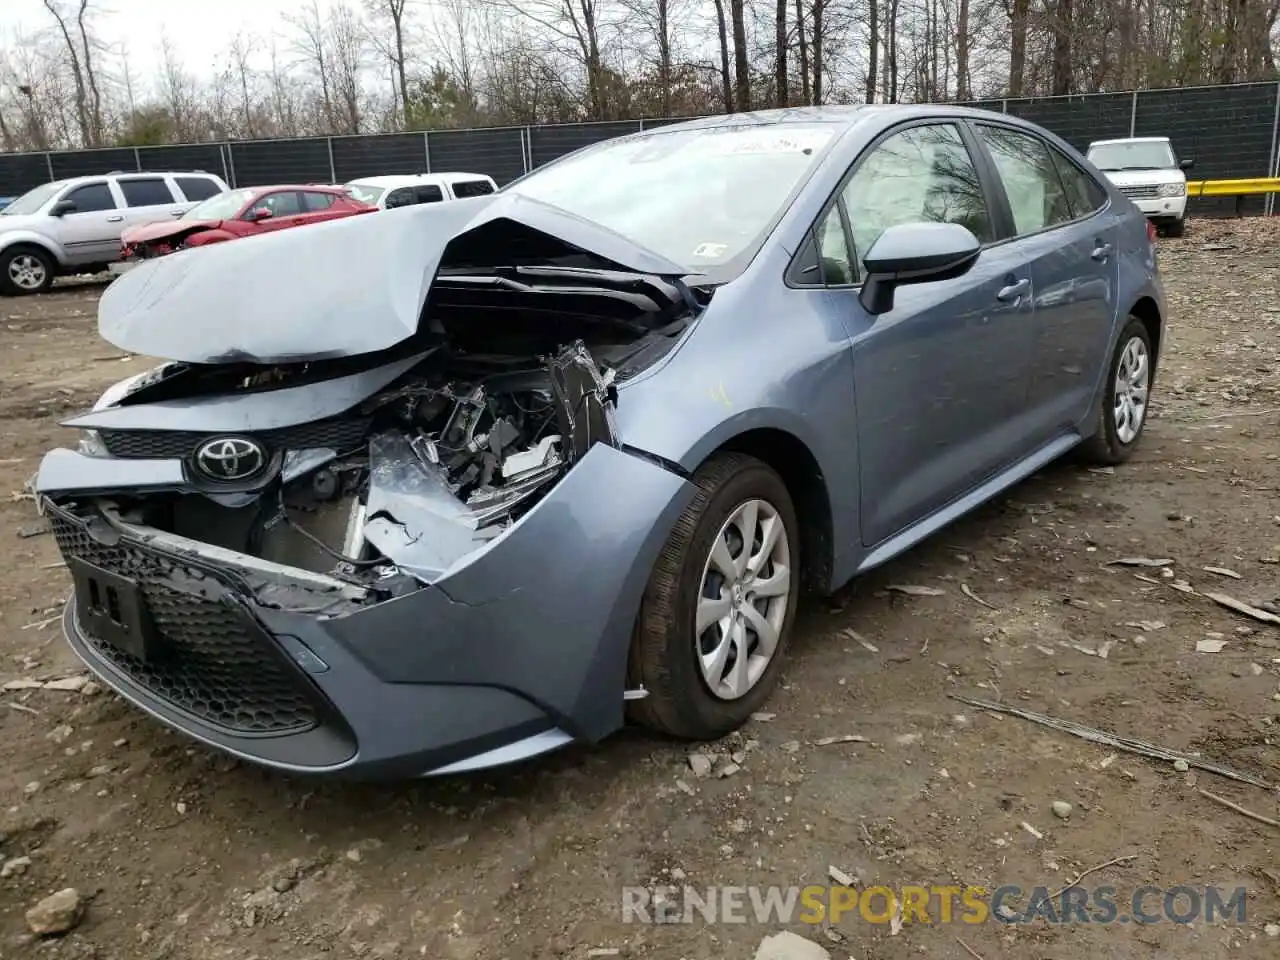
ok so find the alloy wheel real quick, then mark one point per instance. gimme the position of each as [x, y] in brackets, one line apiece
[1133, 381]
[742, 603]
[27, 272]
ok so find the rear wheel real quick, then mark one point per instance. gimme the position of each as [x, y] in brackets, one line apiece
[1123, 414]
[715, 618]
[25, 270]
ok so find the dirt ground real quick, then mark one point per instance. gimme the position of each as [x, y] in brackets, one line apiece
[182, 853]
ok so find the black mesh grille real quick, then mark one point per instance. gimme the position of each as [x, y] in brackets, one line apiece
[340, 434]
[215, 667]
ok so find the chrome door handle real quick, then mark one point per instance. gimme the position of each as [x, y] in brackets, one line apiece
[1014, 290]
[114, 219]
[175, 213]
[1101, 251]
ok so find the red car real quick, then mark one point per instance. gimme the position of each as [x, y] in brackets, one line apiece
[240, 213]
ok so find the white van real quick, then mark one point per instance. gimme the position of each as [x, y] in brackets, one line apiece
[386, 193]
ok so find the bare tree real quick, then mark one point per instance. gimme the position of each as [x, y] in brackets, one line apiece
[393, 12]
[80, 52]
[312, 46]
[346, 39]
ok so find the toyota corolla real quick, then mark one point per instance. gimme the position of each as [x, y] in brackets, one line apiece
[569, 453]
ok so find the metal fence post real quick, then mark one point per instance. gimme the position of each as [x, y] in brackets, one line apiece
[642, 124]
[526, 149]
[333, 171]
[137, 159]
[426, 148]
[1272, 161]
[1133, 115]
[1004, 106]
[48, 162]
[231, 163]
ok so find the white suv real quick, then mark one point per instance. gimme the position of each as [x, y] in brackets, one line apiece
[74, 226]
[1149, 173]
[406, 190]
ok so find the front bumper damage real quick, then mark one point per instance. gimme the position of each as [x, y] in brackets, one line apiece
[518, 650]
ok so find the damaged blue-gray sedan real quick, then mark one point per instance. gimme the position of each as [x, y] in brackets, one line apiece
[458, 484]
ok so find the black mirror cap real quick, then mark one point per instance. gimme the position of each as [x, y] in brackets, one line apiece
[62, 208]
[1186, 164]
[915, 253]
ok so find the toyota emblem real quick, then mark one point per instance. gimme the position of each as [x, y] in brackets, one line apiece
[230, 458]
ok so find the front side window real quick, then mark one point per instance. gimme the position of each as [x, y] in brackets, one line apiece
[1030, 178]
[92, 197]
[472, 188]
[922, 175]
[428, 193]
[704, 198]
[403, 197]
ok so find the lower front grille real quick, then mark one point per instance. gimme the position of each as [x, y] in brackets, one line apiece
[341, 434]
[215, 664]
[1140, 192]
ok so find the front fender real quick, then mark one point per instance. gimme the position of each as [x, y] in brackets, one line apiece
[206, 237]
[11, 238]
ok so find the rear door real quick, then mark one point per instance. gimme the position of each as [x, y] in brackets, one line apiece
[286, 211]
[149, 199]
[1067, 234]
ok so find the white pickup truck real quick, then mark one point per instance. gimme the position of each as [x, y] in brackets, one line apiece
[1149, 173]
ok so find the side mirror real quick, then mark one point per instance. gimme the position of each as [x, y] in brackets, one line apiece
[62, 208]
[258, 213]
[1186, 164]
[914, 253]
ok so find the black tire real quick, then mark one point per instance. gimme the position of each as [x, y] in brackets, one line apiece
[1175, 228]
[1105, 446]
[663, 657]
[8, 256]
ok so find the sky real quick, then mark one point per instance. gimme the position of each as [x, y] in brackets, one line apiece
[199, 30]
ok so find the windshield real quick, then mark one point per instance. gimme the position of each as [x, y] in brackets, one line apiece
[701, 198]
[365, 193]
[219, 207]
[1150, 155]
[31, 201]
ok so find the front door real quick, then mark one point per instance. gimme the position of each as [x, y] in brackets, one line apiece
[938, 378]
[1070, 243]
[90, 234]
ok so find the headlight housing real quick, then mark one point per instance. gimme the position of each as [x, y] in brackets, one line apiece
[1171, 189]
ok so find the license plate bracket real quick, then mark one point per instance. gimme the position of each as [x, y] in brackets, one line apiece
[111, 608]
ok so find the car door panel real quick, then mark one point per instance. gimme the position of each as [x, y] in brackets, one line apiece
[938, 380]
[91, 235]
[1070, 249]
[939, 376]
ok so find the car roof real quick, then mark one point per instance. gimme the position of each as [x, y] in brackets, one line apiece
[134, 175]
[405, 179]
[1103, 143]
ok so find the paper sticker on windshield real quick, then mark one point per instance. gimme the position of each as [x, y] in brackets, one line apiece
[710, 251]
[801, 141]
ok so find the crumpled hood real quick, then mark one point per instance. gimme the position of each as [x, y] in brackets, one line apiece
[147, 232]
[341, 288]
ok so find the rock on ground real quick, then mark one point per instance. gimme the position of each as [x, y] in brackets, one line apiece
[789, 946]
[56, 913]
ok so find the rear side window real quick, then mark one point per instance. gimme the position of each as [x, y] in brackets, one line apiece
[472, 188]
[409, 196]
[198, 188]
[315, 202]
[1030, 178]
[284, 204]
[428, 193]
[1083, 192]
[91, 197]
[146, 193]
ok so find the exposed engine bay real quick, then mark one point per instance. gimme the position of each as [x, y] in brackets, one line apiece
[494, 407]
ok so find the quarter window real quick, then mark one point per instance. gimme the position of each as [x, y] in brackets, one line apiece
[92, 197]
[1030, 178]
[923, 174]
[146, 193]
[316, 202]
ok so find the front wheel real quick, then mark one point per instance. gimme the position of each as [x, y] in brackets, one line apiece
[715, 617]
[25, 270]
[1175, 228]
[1127, 399]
